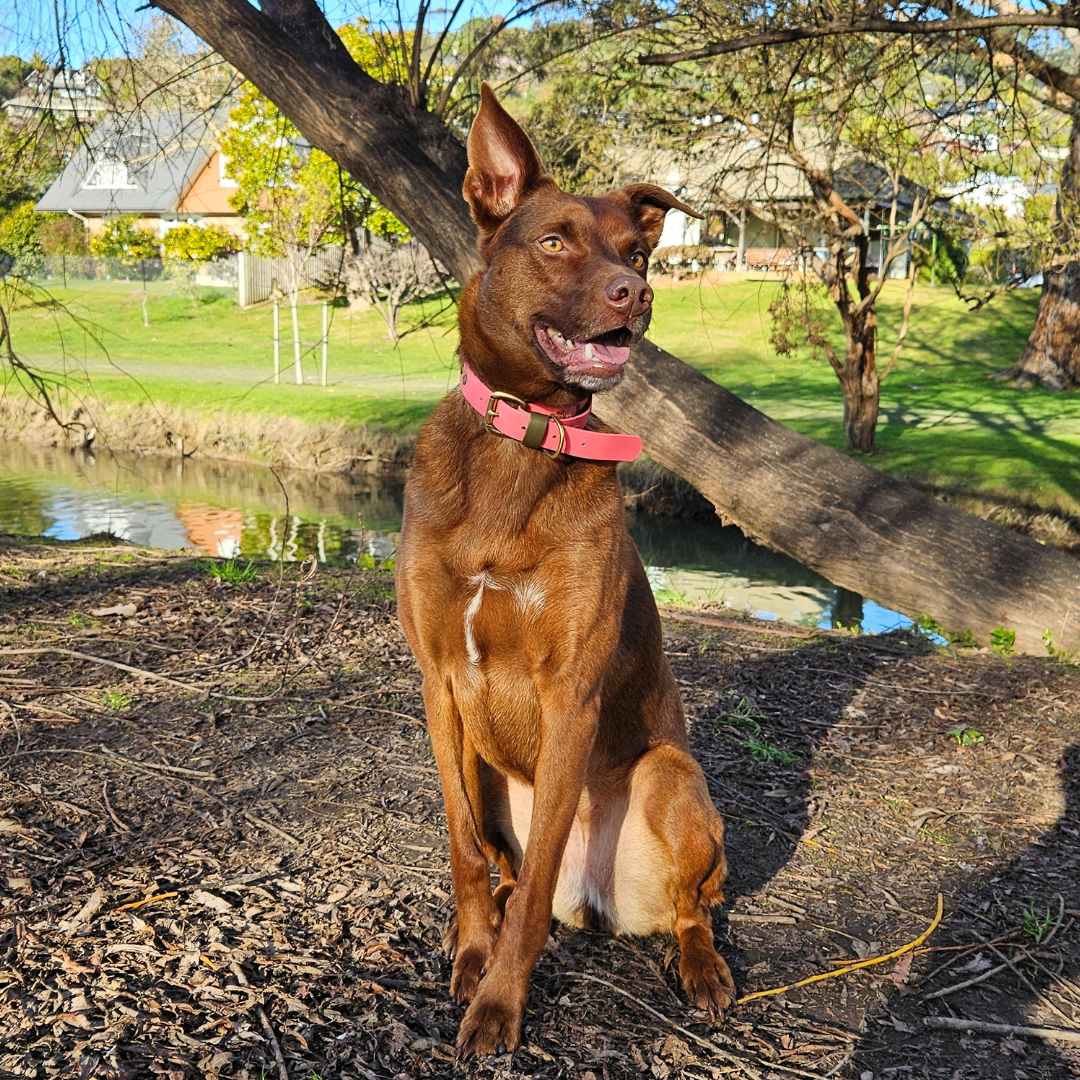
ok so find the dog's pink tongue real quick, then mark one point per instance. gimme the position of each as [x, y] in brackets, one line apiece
[616, 355]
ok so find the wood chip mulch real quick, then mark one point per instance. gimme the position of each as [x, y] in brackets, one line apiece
[246, 874]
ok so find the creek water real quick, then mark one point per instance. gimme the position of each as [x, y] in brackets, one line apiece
[229, 509]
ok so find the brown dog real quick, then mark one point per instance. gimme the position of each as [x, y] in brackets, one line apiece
[553, 712]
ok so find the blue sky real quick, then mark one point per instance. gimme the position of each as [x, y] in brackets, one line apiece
[109, 27]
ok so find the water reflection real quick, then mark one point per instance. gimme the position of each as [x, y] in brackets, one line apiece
[216, 507]
[233, 510]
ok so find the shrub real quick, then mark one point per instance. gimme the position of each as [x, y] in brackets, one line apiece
[20, 245]
[199, 243]
[62, 235]
[19, 231]
[121, 238]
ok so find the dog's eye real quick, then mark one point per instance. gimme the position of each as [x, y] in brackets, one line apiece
[637, 261]
[551, 243]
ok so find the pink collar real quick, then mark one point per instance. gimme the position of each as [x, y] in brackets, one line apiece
[540, 428]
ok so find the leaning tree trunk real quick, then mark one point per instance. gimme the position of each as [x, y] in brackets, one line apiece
[863, 530]
[1052, 356]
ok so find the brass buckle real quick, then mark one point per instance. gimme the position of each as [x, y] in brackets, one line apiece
[562, 438]
[493, 410]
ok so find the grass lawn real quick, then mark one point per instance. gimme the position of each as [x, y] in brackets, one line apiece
[214, 356]
[942, 420]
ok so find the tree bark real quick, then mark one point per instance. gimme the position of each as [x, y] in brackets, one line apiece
[1052, 356]
[858, 374]
[859, 378]
[861, 529]
[862, 398]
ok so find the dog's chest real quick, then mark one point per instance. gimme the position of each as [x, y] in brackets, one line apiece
[497, 608]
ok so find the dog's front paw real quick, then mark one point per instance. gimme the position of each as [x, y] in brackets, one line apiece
[492, 1024]
[707, 980]
[469, 965]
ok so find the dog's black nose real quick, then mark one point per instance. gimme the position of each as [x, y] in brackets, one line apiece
[629, 295]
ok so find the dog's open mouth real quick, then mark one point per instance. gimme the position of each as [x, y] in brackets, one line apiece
[602, 358]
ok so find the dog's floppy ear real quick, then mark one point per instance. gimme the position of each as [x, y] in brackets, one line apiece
[503, 165]
[647, 204]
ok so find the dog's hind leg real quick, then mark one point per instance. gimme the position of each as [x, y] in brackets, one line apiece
[473, 932]
[670, 869]
[502, 846]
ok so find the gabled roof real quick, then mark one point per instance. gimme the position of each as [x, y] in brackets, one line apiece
[163, 154]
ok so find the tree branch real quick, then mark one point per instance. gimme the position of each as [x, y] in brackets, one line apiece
[1031, 63]
[1061, 19]
[495, 29]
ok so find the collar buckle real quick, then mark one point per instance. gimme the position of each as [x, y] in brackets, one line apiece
[493, 410]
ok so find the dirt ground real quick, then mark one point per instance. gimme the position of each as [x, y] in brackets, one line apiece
[243, 872]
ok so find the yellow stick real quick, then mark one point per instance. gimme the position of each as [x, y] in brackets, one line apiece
[855, 966]
[148, 900]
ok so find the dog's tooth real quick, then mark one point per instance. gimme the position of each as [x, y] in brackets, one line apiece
[588, 350]
[570, 344]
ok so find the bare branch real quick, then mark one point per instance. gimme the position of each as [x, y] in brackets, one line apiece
[498, 25]
[1065, 17]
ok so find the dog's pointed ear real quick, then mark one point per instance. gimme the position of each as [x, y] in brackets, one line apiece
[647, 204]
[503, 165]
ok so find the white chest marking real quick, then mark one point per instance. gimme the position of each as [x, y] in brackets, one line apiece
[481, 580]
[529, 596]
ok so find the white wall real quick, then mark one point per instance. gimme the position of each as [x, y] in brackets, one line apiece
[679, 229]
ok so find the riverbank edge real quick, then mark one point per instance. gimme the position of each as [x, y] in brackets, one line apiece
[343, 449]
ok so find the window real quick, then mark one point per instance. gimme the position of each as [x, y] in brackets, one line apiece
[108, 173]
[224, 179]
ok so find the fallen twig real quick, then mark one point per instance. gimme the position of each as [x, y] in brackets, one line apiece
[954, 1023]
[142, 672]
[258, 821]
[175, 770]
[975, 979]
[22, 912]
[389, 712]
[271, 1038]
[719, 1051]
[146, 900]
[1020, 975]
[855, 966]
[751, 917]
[107, 663]
[108, 807]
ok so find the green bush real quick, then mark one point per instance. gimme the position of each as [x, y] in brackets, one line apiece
[19, 239]
[61, 234]
[121, 238]
[199, 243]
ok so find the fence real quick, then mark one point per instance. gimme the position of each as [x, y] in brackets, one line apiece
[66, 269]
[254, 277]
[259, 278]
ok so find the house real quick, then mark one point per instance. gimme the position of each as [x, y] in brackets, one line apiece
[760, 211]
[58, 91]
[165, 168]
